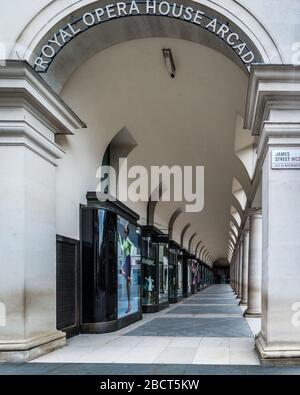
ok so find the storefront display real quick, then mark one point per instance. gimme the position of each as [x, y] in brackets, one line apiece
[188, 276]
[185, 273]
[200, 279]
[155, 269]
[129, 258]
[194, 276]
[175, 272]
[110, 266]
[163, 261]
[206, 275]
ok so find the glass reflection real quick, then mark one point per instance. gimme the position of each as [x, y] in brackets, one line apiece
[163, 273]
[149, 271]
[180, 275]
[129, 258]
[173, 274]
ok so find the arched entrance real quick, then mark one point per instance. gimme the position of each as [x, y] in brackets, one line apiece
[112, 74]
[73, 34]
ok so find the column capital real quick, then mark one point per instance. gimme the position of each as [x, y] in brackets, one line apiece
[273, 107]
[279, 135]
[18, 81]
[245, 232]
[271, 87]
[31, 113]
[254, 211]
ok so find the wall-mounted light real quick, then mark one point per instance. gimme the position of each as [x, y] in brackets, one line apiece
[170, 65]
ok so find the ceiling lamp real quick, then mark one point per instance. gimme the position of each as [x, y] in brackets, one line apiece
[169, 62]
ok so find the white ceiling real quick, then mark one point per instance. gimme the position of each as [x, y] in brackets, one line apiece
[189, 120]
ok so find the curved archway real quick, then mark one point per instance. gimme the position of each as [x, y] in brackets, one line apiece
[172, 220]
[183, 232]
[191, 240]
[64, 64]
[67, 30]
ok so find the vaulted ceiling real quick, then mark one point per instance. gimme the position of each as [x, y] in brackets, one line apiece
[189, 120]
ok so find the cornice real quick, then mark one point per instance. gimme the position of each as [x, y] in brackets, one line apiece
[270, 86]
[18, 79]
[20, 133]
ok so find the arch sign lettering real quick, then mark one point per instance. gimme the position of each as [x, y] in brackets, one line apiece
[138, 8]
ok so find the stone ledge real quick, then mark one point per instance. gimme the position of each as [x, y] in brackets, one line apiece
[19, 80]
[277, 357]
[251, 315]
[28, 349]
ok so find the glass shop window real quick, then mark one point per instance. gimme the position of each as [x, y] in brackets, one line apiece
[149, 271]
[173, 273]
[163, 273]
[129, 267]
[180, 271]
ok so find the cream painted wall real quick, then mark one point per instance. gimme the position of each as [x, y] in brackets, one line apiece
[189, 120]
[281, 19]
[14, 17]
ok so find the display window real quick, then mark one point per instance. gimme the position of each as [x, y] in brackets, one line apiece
[129, 268]
[163, 273]
[173, 274]
[194, 277]
[190, 275]
[149, 271]
[179, 275]
[110, 266]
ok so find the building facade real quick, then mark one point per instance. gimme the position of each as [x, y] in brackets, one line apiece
[188, 83]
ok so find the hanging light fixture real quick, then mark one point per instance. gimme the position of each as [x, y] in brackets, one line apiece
[170, 65]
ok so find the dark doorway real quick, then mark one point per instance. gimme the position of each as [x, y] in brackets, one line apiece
[67, 285]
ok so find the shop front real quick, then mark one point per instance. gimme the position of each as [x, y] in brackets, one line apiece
[155, 270]
[194, 276]
[175, 272]
[189, 271]
[200, 276]
[110, 266]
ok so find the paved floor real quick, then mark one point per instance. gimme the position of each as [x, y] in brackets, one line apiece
[204, 334]
[185, 334]
[142, 369]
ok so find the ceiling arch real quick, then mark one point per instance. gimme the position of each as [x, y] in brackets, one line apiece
[135, 84]
[55, 17]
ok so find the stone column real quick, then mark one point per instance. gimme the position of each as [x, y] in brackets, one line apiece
[234, 270]
[245, 268]
[237, 261]
[30, 115]
[273, 113]
[240, 271]
[255, 264]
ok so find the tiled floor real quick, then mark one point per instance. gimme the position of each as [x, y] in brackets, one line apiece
[208, 328]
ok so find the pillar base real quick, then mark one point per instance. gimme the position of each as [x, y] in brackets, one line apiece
[248, 314]
[242, 303]
[272, 356]
[27, 349]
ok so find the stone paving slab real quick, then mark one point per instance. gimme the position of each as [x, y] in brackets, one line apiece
[201, 315]
[197, 331]
[143, 369]
[201, 301]
[193, 327]
[214, 296]
[184, 309]
[218, 294]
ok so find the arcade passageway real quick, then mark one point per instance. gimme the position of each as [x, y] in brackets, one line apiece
[207, 328]
[162, 96]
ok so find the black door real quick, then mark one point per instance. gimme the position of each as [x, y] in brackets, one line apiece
[67, 285]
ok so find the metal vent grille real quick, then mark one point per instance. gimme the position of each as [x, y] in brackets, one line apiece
[67, 284]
